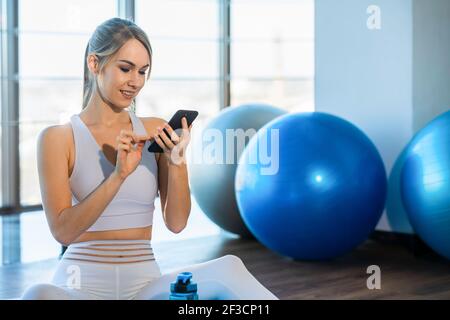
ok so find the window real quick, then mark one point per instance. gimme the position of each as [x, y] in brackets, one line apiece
[51, 52]
[272, 53]
[36, 241]
[2, 80]
[1, 111]
[184, 35]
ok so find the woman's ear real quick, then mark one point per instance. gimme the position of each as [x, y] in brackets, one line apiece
[92, 63]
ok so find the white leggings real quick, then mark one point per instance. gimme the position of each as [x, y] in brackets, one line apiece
[127, 269]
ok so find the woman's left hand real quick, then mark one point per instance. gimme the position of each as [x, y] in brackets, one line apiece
[174, 146]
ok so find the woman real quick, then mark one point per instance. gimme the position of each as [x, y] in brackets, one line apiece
[99, 182]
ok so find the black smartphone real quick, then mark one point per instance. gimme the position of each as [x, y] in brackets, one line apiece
[175, 123]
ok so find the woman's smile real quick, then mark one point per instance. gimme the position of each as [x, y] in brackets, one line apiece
[127, 94]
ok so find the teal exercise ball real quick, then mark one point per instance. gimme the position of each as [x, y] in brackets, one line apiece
[425, 184]
[212, 172]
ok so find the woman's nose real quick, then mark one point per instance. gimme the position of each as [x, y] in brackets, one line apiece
[135, 80]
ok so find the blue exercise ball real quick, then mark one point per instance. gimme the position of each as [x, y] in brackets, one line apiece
[425, 184]
[218, 148]
[325, 197]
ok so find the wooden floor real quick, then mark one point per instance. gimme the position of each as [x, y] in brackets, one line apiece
[403, 275]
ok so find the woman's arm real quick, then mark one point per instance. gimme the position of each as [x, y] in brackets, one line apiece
[67, 222]
[173, 184]
[174, 194]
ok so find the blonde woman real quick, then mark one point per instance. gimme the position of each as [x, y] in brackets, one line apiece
[99, 183]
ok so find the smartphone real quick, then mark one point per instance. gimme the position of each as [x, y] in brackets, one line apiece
[175, 123]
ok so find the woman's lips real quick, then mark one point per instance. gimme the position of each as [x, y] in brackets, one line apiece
[127, 94]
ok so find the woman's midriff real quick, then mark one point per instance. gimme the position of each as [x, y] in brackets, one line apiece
[124, 234]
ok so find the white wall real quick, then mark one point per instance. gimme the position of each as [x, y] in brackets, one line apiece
[431, 60]
[383, 80]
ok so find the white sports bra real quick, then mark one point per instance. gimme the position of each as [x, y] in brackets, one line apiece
[133, 205]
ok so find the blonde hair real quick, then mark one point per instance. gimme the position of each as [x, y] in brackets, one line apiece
[106, 40]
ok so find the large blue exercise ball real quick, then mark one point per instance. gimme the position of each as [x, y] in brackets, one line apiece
[425, 184]
[327, 194]
[218, 149]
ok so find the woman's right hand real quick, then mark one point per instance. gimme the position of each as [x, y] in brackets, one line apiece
[129, 152]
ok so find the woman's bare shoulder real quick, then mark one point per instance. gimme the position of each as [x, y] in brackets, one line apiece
[59, 131]
[57, 136]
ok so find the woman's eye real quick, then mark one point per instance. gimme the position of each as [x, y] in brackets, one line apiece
[126, 70]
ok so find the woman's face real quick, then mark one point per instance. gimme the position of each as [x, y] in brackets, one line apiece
[124, 75]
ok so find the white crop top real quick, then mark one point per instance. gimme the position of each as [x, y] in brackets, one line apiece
[133, 205]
